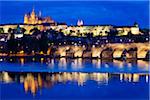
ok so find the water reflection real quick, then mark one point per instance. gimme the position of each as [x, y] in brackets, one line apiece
[79, 64]
[32, 82]
[48, 74]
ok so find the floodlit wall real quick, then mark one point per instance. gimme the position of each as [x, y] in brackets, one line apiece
[135, 30]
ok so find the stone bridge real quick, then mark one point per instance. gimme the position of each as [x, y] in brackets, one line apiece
[116, 50]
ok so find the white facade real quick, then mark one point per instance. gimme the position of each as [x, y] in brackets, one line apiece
[135, 30]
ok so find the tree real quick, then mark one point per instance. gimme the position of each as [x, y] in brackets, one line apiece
[10, 30]
[51, 34]
[130, 35]
[112, 33]
[43, 42]
[35, 31]
[1, 30]
[11, 42]
[23, 30]
[145, 31]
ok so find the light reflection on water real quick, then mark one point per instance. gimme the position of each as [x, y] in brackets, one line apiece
[64, 64]
[32, 82]
[108, 77]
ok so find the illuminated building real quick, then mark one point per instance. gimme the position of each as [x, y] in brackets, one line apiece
[124, 30]
[36, 19]
[80, 23]
[100, 30]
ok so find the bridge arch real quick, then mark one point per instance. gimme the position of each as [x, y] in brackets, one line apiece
[118, 53]
[96, 51]
[62, 50]
[78, 51]
[142, 53]
[87, 53]
[148, 54]
[54, 52]
[107, 53]
[70, 53]
[131, 53]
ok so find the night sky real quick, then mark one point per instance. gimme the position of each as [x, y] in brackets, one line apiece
[91, 12]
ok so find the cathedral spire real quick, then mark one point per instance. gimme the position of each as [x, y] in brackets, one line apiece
[33, 12]
[33, 9]
[40, 13]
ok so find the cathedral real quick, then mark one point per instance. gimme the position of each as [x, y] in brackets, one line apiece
[37, 19]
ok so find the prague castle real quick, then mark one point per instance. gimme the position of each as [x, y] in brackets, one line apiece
[33, 20]
[37, 19]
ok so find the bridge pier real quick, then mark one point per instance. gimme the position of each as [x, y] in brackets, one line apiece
[107, 53]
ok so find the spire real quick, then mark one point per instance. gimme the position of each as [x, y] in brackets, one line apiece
[25, 15]
[33, 11]
[80, 23]
[26, 18]
[40, 13]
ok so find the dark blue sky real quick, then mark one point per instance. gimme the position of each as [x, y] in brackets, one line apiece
[91, 12]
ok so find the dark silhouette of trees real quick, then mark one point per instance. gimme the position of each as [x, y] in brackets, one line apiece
[35, 31]
[11, 42]
[43, 42]
[23, 30]
[37, 42]
[1, 30]
[145, 31]
[89, 35]
[130, 35]
[89, 38]
[112, 33]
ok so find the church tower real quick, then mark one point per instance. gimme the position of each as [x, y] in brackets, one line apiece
[80, 23]
[26, 19]
[40, 14]
[33, 17]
